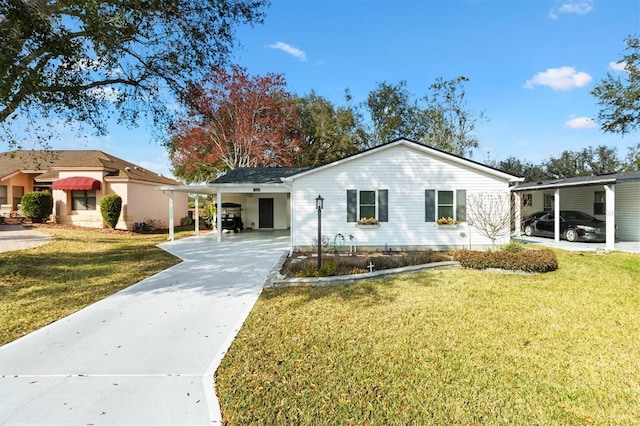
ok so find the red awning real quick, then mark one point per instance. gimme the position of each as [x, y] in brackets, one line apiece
[77, 183]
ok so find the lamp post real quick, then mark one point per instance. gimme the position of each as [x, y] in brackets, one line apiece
[319, 206]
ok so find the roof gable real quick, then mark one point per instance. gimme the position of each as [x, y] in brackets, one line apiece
[433, 152]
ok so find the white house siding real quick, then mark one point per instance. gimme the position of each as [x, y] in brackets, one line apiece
[251, 206]
[406, 173]
[628, 211]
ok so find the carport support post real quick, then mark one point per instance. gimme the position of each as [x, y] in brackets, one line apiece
[197, 214]
[556, 217]
[219, 215]
[517, 202]
[171, 234]
[610, 202]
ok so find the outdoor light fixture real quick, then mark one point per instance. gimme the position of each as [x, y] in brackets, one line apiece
[319, 206]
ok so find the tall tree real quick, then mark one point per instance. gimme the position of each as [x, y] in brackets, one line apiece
[589, 161]
[632, 159]
[450, 122]
[441, 118]
[394, 113]
[531, 172]
[235, 120]
[327, 133]
[80, 60]
[619, 95]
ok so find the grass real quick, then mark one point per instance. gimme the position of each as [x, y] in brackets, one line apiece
[445, 347]
[79, 267]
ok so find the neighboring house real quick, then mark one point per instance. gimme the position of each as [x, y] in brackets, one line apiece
[79, 179]
[613, 197]
[405, 186]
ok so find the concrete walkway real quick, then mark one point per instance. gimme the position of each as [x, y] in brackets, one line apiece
[147, 354]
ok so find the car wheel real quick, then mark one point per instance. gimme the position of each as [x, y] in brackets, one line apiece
[571, 235]
[528, 230]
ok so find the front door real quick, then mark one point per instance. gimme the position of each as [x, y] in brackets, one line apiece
[265, 213]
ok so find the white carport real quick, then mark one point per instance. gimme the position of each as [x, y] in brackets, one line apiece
[621, 199]
[261, 189]
[195, 190]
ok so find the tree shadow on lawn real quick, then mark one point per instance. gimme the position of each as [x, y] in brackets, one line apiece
[59, 270]
[359, 294]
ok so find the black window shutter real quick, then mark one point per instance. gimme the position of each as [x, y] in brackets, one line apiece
[429, 205]
[352, 205]
[383, 205]
[461, 205]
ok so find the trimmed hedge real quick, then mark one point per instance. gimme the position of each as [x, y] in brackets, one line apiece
[110, 207]
[37, 205]
[543, 260]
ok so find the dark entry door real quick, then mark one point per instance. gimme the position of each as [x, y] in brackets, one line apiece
[265, 213]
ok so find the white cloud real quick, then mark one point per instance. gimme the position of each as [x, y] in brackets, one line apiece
[572, 8]
[293, 51]
[581, 123]
[617, 66]
[563, 78]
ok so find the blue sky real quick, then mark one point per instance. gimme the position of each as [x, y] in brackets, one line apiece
[531, 65]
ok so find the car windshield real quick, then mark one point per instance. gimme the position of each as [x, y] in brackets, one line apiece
[577, 216]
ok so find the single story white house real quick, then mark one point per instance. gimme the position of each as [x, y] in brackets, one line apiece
[614, 198]
[403, 185]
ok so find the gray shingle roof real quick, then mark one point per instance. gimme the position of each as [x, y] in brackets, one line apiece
[258, 174]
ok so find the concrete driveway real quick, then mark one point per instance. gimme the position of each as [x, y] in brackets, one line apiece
[17, 237]
[147, 354]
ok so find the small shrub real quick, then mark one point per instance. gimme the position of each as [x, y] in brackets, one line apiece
[526, 260]
[110, 207]
[513, 247]
[328, 268]
[186, 221]
[37, 205]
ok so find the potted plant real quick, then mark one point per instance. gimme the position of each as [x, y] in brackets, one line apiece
[447, 222]
[368, 222]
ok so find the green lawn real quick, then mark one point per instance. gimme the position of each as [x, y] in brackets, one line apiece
[445, 347]
[79, 267]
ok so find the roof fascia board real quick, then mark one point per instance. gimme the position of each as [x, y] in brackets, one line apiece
[562, 185]
[191, 189]
[10, 175]
[252, 188]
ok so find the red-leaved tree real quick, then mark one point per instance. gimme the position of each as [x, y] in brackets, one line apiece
[234, 120]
